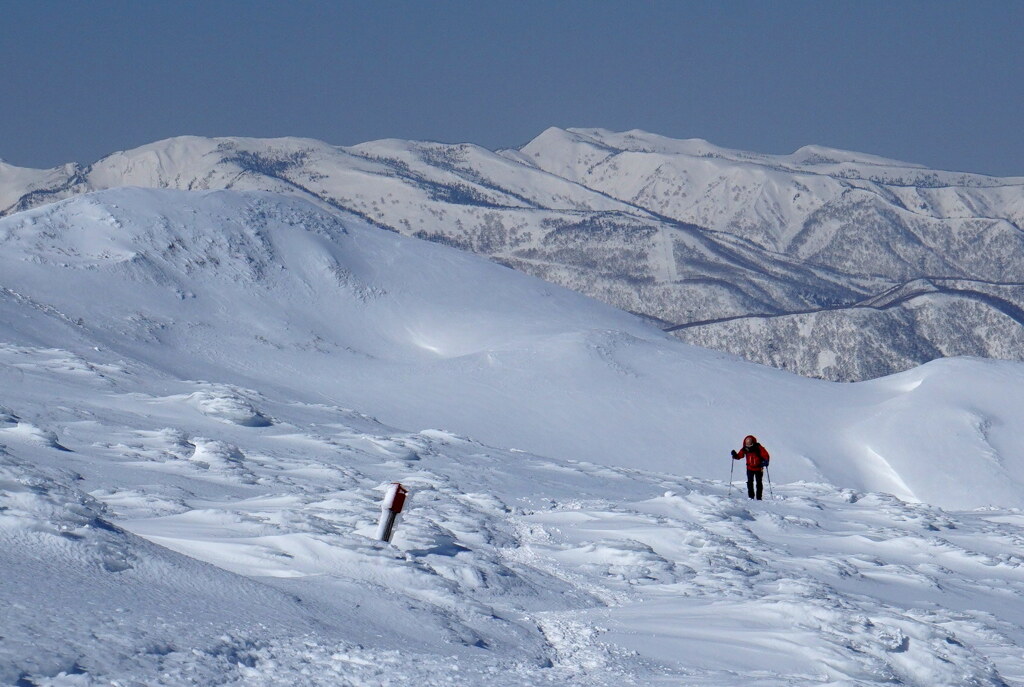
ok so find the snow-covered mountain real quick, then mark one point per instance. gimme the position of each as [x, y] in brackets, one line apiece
[265, 291]
[727, 248]
[206, 392]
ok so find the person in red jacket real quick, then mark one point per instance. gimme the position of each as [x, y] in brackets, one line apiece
[757, 460]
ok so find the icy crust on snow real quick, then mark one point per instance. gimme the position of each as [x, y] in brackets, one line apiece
[125, 562]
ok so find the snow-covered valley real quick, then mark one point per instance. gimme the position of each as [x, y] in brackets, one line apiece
[205, 394]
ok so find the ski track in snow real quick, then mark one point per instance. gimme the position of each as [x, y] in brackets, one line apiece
[507, 569]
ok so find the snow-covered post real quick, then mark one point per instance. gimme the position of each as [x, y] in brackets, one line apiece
[394, 499]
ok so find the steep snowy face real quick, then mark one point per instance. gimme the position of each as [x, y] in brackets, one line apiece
[269, 292]
[701, 238]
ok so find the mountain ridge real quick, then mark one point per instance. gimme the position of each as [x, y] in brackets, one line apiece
[683, 232]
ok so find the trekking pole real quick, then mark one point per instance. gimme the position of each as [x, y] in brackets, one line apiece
[732, 466]
[771, 492]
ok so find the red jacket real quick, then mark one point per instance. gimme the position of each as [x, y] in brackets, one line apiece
[757, 457]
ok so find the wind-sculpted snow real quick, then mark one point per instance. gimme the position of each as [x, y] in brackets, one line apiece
[683, 232]
[128, 561]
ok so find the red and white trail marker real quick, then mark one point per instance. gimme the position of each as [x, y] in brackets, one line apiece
[394, 500]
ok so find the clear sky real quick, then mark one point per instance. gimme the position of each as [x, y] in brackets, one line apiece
[935, 82]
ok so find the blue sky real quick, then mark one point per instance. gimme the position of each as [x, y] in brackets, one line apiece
[940, 83]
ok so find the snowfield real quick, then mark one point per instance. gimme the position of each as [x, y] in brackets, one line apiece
[205, 396]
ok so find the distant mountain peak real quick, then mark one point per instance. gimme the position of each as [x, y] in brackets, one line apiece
[812, 155]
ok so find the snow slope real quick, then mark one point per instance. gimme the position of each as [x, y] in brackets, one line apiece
[262, 291]
[170, 543]
[202, 396]
[682, 231]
